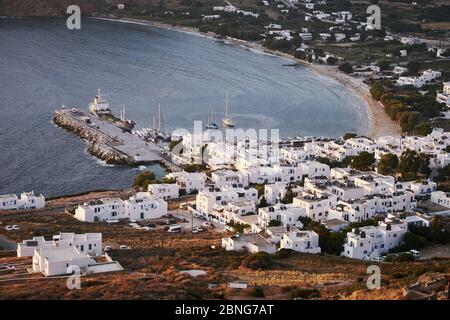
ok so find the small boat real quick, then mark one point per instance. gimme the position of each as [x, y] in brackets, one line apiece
[211, 124]
[227, 121]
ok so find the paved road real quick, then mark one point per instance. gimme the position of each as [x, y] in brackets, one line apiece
[7, 244]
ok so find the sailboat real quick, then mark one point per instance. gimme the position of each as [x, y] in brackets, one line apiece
[211, 124]
[227, 121]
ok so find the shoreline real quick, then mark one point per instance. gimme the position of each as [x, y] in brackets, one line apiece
[379, 122]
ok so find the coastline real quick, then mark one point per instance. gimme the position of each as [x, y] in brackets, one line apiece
[379, 122]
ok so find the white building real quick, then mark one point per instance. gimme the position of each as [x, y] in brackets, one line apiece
[57, 261]
[223, 178]
[252, 243]
[164, 190]
[27, 201]
[273, 26]
[188, 181]
[274, 193]
[306, 36]
[88, 243]
[339, 36]
[425, 187]
[316, 206]
[399, 70]
[441, 198]
[286, 214]
[101, 210]
[301, 241]
[213, 199]
[370, 242]
[142, 207]
[138, 207]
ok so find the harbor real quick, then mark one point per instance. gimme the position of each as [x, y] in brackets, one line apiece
[110, 143]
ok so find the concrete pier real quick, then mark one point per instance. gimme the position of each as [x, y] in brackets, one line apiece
[110, 143]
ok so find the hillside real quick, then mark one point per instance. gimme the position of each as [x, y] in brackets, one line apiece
[45, 8]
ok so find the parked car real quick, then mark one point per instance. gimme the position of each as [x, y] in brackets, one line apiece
[107, 248]
[198, 228]
[123, 247]
[151, 225]
[174, 229]
[15, 227]
[207, 224]
[8, 228]
[184, 220]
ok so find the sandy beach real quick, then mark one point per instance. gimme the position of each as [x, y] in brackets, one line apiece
[380, 123]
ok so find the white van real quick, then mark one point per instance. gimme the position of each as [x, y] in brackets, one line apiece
[415, 253]
[174, 229]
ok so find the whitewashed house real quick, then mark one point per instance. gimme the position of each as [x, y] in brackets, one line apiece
[441, 198]
[27, 201]
[164, 190]
[316, 207]
[57, 261]
[189, 181]
[101, 210]
[274, 193]
[141, 207]
[425, 187]
[399, 70]
[306, 36]
[301, 241]
[8, 202]
[223, 178]
[138, 207]
[286, 214]
[370, 242]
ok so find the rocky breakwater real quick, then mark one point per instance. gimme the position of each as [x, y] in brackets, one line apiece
[100, 144]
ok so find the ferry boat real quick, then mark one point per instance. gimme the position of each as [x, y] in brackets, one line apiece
[227, 121]
[100, 108]
[211, 124]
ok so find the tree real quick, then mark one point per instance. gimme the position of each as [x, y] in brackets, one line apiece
[388, 164]
[383, 65]
[263, 203]
[143, 179]
[408, 120]
[412, 163]
[289, 196]
[363, 161]
[349, 135]
[346, 67]
[331, 60]
[422, 129]
[274, 223]
[413, 66]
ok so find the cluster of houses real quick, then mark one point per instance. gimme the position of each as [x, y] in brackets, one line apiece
[27, 201]
[418, 81]
[66, 253]
[296, 185]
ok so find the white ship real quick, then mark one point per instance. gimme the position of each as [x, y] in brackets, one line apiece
[100, 108]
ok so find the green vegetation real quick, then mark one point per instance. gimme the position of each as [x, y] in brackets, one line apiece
[388, 164]
[236, 226]
[363, 161]
[143, 179]
[346, 67]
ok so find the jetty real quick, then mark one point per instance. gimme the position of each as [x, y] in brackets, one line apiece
[110, 143]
